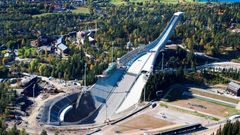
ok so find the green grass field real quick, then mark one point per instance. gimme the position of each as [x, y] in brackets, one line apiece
[219, 97]
[120, 2]
[196, 113]
[117, 2]
[43, 14]
[81, 10]
[175, 96]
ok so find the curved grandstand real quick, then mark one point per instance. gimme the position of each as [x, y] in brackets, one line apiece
[57, 107]
[103, 99]
[50, 113]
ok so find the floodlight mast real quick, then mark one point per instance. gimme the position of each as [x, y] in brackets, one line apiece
[112, 53]
[106, 112]
[162, 60]
[85, 75]
[144, 96]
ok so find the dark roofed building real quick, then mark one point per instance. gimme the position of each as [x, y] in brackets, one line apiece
[91, 34]
[42, 40]
[92, 41]
[234, 88]
[3, 47]
[60, 40]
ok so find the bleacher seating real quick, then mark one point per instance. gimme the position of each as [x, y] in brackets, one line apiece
[57, 107]
[92, 100]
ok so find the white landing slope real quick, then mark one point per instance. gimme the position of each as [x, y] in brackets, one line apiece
[134, 95]
[137, 65]
[121, 90]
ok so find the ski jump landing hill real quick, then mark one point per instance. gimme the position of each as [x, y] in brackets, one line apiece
[113, 94]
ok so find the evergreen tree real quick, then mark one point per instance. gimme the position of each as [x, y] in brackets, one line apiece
[44, 132]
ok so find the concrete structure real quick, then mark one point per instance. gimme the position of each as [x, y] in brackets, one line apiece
[148, 61]
[110, 69]
[219, 66]
[103, 99]
[234, 88]
[129, 45]
[27, 80]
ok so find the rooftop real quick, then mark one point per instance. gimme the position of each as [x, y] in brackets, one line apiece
[234, 86]
[62, 47]
[178, 13]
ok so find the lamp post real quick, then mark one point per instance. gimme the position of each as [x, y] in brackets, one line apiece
[34, 87]
[112, 52]
[85, 75]
[106, 112]
[144, 91]
[162, 59]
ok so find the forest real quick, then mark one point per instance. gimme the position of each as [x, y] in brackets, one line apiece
[230, 128]
[204, 28]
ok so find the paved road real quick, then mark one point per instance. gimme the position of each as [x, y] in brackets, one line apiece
[198, 54]
[221, 65]
[215, 100]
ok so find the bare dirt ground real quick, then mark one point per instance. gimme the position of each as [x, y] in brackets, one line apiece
[141, 122]
[137, 124]
[32, 125]
[204, 106]
[151, 120]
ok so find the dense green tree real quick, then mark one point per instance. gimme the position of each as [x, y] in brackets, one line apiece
[44, 132]
[230, 128]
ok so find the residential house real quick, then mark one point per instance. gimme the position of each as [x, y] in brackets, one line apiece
[62, 49]
[42, 49]
[92, 41]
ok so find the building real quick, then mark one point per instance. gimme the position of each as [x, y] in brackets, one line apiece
[43, 49]
[60, 40]
[9, 55]
[86, 33]
[62, 49]
[129, 45]
[91, 34]
[80, 37]
[236, 30]
[35, 43]
[92, 41]
[42, 40]
[3, 47]
[234, 88]
[110, 69]
[28, 80]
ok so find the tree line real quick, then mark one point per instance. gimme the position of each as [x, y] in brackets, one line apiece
[230, 128]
